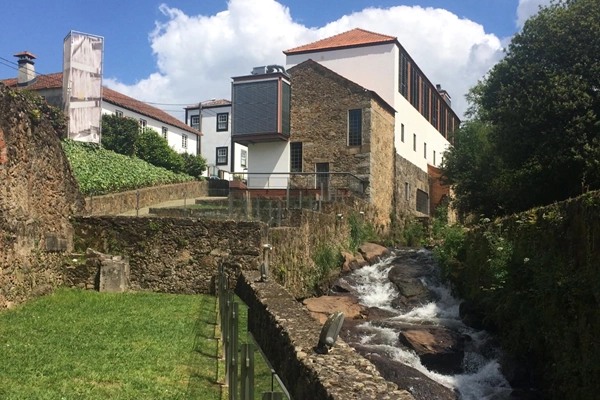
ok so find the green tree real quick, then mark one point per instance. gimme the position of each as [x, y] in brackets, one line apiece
[536, 117]
[193, 165]
[153, 148]
[120, 134]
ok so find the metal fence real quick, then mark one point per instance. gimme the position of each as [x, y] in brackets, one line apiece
[239, 358]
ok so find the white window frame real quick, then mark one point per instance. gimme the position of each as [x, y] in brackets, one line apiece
[165, 132]
[244, 158]
[118, 113]
[184, 141]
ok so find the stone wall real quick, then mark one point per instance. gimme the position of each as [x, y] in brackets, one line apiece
[407, 172]
[117, 203]
[170, 255]
[287, 333]
[38, 193]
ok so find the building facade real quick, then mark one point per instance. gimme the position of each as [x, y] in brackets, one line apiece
[223, 157]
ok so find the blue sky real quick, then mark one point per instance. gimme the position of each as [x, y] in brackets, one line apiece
[184, 51]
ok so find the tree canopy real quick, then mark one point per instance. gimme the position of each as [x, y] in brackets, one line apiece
[534, 133]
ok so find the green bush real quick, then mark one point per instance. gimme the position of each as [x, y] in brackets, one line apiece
[414, 233]
[155, 149]
[193, 165]
[327, 259]
[101, 171]
[120, 134]
[361, 231]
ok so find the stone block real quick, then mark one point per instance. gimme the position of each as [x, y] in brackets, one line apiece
[55, 243]
[114, 276]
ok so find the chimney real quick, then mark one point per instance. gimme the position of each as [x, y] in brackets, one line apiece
[26, 70]
[444, 94]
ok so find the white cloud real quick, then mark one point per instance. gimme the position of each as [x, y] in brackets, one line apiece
[198, 55]
[527, 8]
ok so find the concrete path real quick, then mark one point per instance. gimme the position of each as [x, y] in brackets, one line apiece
[171, 204]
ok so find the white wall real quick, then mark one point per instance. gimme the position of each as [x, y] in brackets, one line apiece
[268, 157]
[213, 139]
[376, 68]
[174, 136]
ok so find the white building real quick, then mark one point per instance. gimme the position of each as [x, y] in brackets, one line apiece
[378, 62]
[180, 136]
[223, 157]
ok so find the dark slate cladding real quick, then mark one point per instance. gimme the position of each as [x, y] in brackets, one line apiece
[255, 107]
[286, 101]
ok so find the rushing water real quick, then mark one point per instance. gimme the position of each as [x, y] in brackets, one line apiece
[482, 377]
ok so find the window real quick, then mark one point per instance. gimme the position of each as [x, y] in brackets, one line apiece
[414, 87]
[424, 150]
[222, 122]
[422, 202]
[403, 78]
[425, 103]
[354, 127]
[165, 132]
[414, 142]
[406, 191]
[434, 157]
[221, 155]
[184, 138]
[322, 174]
[244, 158]
[296, 157]
[118, 113]
[143, 123]
[434, 112]
[402, 132]
[195, 122]
[443, 119]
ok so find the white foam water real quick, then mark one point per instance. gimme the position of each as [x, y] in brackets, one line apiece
[482, 379]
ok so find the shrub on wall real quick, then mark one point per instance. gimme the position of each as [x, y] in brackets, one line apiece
[536, 279]
[55, 115]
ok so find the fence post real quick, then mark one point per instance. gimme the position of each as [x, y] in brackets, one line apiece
[137, 203]
[258, 208]
[233, 350]
[91, 203]
[300, 199]
[287, 195]
[279, 214]
[230, 204]
[321, 197]
[247, 372]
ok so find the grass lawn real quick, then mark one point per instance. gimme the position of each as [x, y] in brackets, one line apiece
[78, 344]
[87, 345]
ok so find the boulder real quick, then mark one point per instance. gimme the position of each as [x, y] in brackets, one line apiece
[373, 252]
[321, 307]
[439, 348]
[407, 378]
[352, 262]
[412, 292]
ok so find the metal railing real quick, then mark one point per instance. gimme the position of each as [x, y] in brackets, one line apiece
[236, 361]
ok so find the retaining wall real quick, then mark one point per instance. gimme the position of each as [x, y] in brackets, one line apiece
[117, 203]
[287, 333]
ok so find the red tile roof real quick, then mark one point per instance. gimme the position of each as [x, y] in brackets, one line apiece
[54, 81]
[353, 38]
[50, 81]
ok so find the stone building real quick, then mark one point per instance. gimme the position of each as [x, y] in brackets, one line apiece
[340, 126]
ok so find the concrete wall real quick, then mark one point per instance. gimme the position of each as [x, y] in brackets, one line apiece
[169, 255]
[117, 203]
[269, 157]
